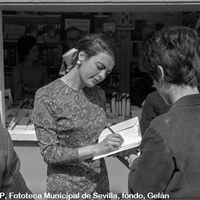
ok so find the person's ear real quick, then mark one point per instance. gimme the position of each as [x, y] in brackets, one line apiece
[161, 72]
[82, 56]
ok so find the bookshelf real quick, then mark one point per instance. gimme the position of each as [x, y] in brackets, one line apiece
[48, 29]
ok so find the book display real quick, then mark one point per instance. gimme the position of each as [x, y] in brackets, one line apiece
[18, 121]
[129, 31]
[48, 29]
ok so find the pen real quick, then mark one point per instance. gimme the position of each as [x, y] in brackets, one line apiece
[110, 129]
[123, 160]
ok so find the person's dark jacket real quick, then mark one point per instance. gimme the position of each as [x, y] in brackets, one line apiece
[153, 107]
[170, 153]
[11, 179]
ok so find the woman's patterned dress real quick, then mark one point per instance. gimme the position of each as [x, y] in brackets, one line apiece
[65, 120]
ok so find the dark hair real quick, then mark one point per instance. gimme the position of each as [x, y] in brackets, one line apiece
[92, 44]
[72, 28]
[25, 43]
[177, 50]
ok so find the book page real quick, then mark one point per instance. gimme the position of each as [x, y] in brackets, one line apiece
[130, 132]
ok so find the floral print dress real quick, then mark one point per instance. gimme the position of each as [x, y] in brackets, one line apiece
[65, 120]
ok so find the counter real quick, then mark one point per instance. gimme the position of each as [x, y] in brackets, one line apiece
[21, 128]
[23, 135]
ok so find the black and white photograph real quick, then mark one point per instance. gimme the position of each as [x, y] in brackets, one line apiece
[99, 100]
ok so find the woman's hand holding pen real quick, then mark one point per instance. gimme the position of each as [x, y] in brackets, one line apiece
[111, 143]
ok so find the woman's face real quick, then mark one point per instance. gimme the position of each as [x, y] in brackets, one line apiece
[72, 38]
[34, 53]
[95, 69]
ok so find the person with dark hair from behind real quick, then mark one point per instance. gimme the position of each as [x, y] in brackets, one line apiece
[11, 179]
[154, 106]
[29, 75]
[71, 37]
[169, 163]
[69, 115]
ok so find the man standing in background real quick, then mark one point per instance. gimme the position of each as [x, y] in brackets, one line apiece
[72, 35]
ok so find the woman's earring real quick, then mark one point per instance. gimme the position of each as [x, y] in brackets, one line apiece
[78, 62]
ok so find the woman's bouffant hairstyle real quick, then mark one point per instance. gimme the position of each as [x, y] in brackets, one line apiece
[24, 45]
[92, 44]
[177, 50]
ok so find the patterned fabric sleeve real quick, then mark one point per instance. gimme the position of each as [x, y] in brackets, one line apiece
[45, 128]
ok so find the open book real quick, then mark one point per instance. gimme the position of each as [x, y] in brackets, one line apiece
[129, 130]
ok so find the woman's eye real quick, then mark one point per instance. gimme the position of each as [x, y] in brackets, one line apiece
[100, 67]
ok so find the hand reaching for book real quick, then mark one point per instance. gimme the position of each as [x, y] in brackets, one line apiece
[111, 143]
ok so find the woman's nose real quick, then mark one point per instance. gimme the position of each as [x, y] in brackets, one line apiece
[103, 75]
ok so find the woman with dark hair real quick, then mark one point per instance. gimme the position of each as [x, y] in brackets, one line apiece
[169, 164]
[69, 115]
[29, 75]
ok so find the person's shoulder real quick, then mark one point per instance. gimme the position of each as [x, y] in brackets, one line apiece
[155, 100]
[41, 65]
[159, 119]
[99, 90]
[96, 90]
[161, 123]
[152, 103]
[97, 94]
[49, 89]
[18, 67]
[154, 96]
[6, 141]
